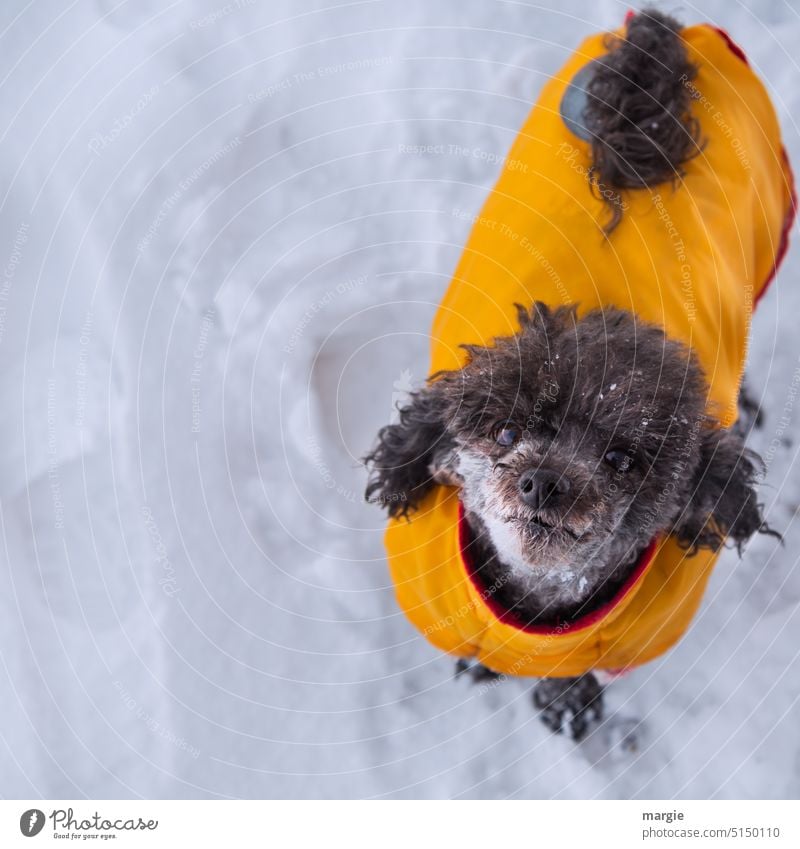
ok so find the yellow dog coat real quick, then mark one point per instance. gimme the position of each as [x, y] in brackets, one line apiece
[694, 259]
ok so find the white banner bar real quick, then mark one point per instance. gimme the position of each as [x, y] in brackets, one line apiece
[400, 825]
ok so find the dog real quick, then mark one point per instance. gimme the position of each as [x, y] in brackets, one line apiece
[559, 490]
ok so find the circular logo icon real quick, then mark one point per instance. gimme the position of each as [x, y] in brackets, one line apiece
[31, 822]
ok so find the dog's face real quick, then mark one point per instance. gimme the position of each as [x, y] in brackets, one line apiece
[565, 434]
[577, 439]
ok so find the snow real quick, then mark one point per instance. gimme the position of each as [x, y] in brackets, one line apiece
[225, 230]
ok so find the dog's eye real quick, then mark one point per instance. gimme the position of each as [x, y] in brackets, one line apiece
[506, 434]
[619, 460]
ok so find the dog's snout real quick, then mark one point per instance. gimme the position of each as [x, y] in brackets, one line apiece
[536, 486]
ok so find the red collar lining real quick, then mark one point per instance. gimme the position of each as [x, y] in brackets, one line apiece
[508, 617]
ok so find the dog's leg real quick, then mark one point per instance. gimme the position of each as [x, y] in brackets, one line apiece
[750, 415]
[578, 701]
[476, 671]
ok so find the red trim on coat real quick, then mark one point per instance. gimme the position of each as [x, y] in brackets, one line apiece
[788, 222]
[507, 617]
[734, 47]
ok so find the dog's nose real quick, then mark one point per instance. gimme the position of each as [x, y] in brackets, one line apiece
[536, 486]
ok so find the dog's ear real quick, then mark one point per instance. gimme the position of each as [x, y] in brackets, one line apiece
[722, 502]
[412, 455]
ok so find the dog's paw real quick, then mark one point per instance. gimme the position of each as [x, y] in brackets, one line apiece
[575, 703]
[615, 743]
[623, 737]
[476, 671]
[751, 416]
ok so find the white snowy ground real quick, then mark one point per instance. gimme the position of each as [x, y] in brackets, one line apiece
[219, 265]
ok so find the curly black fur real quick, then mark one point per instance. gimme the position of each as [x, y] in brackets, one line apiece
[723, 503]
[401, 460]
[638, 108]
[575, 702]
[621, 383]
